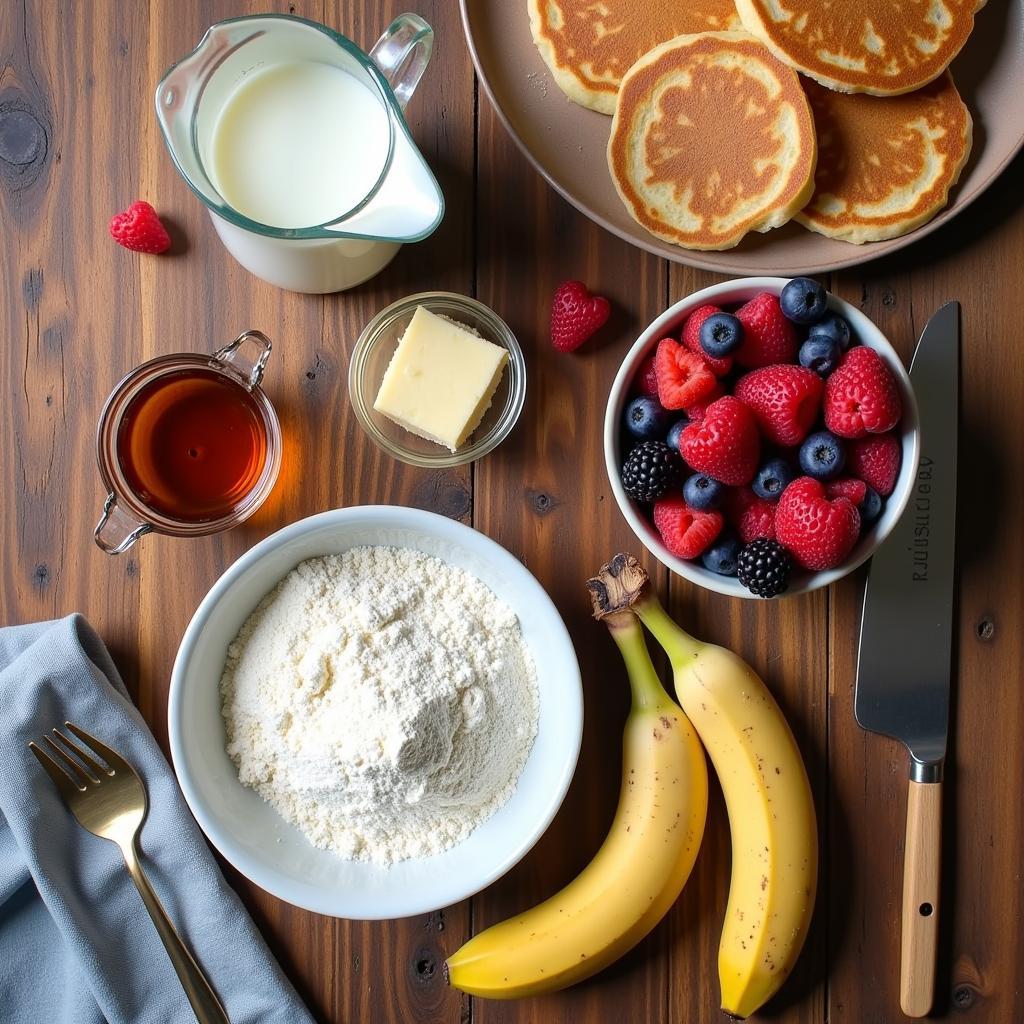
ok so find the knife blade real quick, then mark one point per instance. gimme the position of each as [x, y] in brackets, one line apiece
[903, 669]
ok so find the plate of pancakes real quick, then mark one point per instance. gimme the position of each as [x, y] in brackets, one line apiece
[749, 136]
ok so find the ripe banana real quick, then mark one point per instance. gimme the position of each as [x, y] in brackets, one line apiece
[636, 875]
[767, 795]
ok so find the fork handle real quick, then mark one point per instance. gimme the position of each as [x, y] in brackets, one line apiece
[205, 1004]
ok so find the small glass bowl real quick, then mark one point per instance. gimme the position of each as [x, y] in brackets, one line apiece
[373, 352]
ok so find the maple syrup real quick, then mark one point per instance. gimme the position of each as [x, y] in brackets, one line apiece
[192, 444]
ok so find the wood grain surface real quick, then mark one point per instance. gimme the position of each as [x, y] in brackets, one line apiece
[78, 141]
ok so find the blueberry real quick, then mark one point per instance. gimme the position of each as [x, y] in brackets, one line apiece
[820, 354]
[871, 507]
[722, 556]
[702, 492]
[822, 456]
[772, 479]
[803, 301]
[721, 334]
[834, 327]
[646, 420]
[675, 432]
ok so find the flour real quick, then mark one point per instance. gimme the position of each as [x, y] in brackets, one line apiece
[382, 701]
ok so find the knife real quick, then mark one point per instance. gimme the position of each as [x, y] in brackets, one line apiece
[903, 670]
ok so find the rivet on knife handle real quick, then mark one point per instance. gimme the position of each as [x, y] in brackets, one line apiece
[920, 897]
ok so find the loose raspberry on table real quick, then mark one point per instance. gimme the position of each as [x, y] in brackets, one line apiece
[140, 229]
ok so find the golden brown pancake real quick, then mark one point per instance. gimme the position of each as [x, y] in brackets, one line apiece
[712, 137]
[883, 47]
[590, 44]
[885, 164]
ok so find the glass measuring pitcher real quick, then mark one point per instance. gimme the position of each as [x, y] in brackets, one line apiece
[383, 190]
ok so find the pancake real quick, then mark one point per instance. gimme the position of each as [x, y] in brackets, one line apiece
[885, 164]
[590, 44]
[883, 47]
[712, 137]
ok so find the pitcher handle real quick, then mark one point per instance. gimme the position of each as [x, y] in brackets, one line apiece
[117, 531]
[402, 54]
[237, 360]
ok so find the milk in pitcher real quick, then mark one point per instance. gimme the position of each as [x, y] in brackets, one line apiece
[298, 144]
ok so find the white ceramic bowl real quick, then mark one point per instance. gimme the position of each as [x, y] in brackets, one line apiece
[253, 837]
[730, 293]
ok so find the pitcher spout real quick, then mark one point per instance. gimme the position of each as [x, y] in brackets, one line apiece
[408, 205]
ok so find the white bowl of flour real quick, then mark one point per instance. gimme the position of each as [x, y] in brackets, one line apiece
[375, 712]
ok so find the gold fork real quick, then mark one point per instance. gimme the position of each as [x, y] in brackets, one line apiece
[110, 801]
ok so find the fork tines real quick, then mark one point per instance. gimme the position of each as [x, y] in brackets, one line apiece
[74, 765]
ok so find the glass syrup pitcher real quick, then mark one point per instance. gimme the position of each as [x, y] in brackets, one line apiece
[295, 140]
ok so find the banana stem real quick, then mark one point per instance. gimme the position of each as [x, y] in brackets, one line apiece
[621, 586]
[644, 683]
[677, 643]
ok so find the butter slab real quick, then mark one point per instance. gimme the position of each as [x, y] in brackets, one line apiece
[441, 380]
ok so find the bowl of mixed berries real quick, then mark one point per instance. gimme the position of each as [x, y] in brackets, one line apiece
[761, 437]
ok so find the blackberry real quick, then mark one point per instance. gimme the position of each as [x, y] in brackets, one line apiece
[651, 468]
[763, 567]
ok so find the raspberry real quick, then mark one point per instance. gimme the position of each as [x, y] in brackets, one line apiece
[719, 366]
[819, 533]
[855, 490]
[784, 400]
[576, 315]
[647, 378]
[752, 517]
[139, 228]
[686, 532]
[697, 411]
[861, 396]
[682, 376]
[724, 444]
[768, 337]
[876, 461]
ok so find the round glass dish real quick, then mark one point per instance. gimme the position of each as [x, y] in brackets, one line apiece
[373, 352]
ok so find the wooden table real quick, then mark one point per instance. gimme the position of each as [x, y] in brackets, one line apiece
[78, 141]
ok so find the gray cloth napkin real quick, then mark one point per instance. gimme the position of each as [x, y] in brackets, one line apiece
[76, 943]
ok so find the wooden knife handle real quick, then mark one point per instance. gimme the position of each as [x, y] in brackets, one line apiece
[920, 897]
